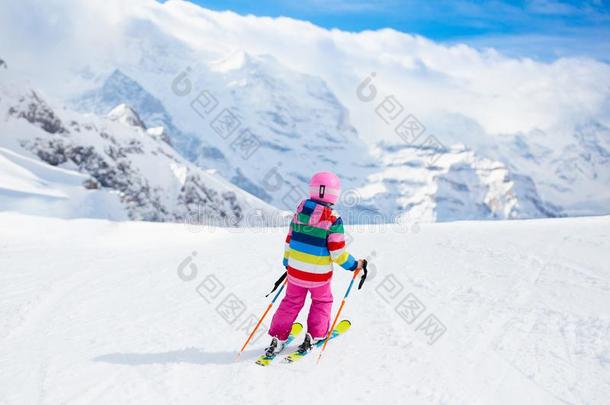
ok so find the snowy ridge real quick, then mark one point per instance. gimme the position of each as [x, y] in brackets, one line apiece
[301, 125]
[430, 185]
[120, 89]
[574, 175]
[152, 181]
[125, 114]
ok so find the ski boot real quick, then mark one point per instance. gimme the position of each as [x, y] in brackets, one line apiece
[275, 347]
[309, 343]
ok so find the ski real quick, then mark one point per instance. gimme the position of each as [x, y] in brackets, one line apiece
[265, 360]
[340, 329]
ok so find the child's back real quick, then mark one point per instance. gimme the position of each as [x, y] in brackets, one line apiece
[315, 240]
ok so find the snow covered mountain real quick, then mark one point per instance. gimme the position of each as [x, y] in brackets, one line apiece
[291, 122]
[117, 156]
[574, 175]
[298, 126]
[420, 184]
[118, 88]
[265, 108]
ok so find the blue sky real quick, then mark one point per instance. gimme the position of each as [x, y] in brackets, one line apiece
[543, 29]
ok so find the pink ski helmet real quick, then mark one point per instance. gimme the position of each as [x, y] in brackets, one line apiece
[325, 187]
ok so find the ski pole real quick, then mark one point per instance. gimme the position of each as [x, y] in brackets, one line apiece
[342, 304]
[263, 316]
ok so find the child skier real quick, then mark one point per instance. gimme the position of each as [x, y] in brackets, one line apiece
[315, 240]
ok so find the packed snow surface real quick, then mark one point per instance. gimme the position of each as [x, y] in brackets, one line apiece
[510, 312]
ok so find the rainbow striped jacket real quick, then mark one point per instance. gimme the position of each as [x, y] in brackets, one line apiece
[315, 240]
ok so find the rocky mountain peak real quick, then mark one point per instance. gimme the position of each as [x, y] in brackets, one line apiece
[35, 110]
[127, 115]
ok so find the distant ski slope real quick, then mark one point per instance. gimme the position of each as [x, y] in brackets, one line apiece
[34, 187]
[103, 312]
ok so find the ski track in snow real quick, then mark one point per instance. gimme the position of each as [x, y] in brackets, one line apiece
[94, 311]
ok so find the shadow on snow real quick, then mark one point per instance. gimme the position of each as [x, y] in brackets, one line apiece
[190, 355]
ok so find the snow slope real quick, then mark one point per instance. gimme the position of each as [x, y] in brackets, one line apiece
[114, 312]
[33, 187]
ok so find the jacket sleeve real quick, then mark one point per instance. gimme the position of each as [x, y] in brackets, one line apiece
[336, 246]
[287, 244]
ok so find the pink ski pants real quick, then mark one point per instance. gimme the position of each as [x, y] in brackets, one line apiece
[318, 320]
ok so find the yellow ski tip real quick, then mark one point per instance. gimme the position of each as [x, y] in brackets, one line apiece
[296, 328]
[343, 326]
